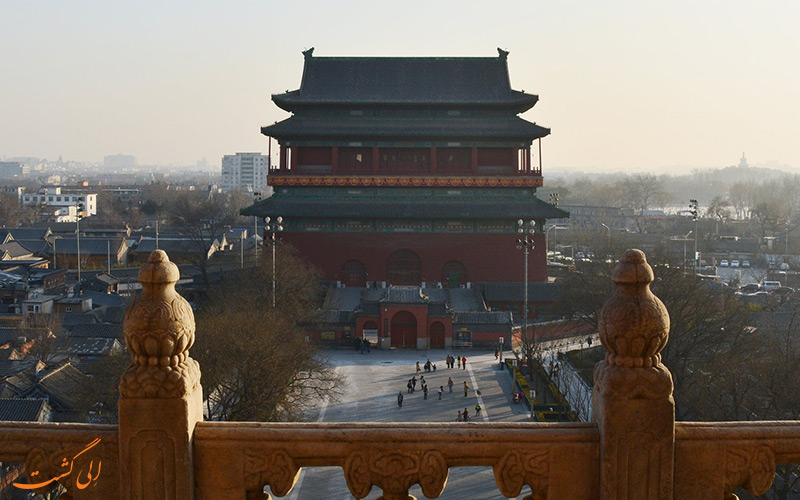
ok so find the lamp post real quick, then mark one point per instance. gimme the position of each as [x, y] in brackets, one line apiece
[685, 239]
[610, 248]
[693, 211]
[273, 227]
[526, 244]
[78, 217]
[257, 196]
[547, 241]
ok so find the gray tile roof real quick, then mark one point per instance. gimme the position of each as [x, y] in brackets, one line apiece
[405, 80]
[23, 410]
[15, 250]
[94, 330]
[86, 346]
[515, 292]
[405, 295]
[89, 246]
[405, 208]
[466, 299]
[483, 318]
[509, 128]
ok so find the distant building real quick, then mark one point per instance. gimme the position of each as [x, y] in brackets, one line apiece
[119, 161]
[9, 169]
[65, 202]
[245, 171]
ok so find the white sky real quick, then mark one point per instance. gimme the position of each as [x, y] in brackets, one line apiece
[624, 85]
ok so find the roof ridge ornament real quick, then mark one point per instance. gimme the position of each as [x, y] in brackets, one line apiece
[308, 53]
[503, 54]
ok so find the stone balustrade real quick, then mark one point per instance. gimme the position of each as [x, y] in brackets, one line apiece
[634, 450]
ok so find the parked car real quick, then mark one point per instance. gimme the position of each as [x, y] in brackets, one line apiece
[784, 266]
[745, 263]
[750, 288]
[734, 263]
[723, 263]
[769, 286]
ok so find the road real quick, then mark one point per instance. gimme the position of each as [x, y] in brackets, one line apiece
[373, 381]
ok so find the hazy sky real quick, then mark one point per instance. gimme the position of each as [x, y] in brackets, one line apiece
[624, 85]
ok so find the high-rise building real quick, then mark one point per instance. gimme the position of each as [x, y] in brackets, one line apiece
[245, 171]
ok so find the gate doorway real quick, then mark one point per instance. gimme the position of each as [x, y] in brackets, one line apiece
[404, 330]
[436, 334]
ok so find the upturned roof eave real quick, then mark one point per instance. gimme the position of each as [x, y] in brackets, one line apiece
[293, 101]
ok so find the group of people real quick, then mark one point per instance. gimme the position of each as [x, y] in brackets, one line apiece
[464, 416]
[451, 361]
[411, 385]
[362, 344]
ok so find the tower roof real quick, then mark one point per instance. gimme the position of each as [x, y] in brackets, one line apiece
[462, 81]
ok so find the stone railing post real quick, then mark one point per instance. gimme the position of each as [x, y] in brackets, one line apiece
[160, 394]
[632, 397]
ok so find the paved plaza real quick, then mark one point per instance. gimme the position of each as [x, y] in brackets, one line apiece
[373, 381]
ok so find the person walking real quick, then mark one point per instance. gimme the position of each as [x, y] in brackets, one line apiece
[425, 391]
[441, 390]
[464, 363]
[409, 386]
[400, 399]
[459, 362]
[450, 383]
[413, 384]
[460, 417]
[466, 415]
[477, 409]
[466, 388]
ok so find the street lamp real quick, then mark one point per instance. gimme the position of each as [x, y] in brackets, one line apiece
[526, 243]
[693, 211]
[273, 227]
[685, 239]
[78, 216]
[609, 237]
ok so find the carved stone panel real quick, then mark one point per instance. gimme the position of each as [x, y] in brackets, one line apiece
[266, 467]
[395, 472]
[520, 467]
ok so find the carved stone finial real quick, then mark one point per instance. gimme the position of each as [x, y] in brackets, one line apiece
[632, 396]
[634, 324]
[159, 330]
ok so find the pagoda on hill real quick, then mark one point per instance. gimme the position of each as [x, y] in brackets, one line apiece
[404, 170]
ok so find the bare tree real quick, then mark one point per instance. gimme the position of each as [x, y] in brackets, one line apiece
[257, 363]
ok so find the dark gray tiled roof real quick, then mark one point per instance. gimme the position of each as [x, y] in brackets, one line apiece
[336, 317]
[405, 80]
[15, 249]
[10, 335]
[14, 366]
[103, 299]
[405, 208]
[89, 246]
[25, 233]
[515, 292]
[22, 410]
[482, 318]
[186, 245]
[94, 330]
[86, 346]
[405, 295]
[346, 127]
